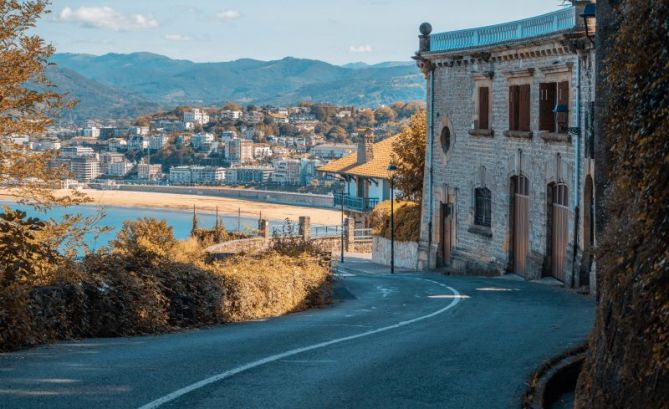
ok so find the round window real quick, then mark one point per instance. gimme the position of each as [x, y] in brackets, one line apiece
[445, 139]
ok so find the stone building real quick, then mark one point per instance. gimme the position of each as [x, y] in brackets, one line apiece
[509, 162]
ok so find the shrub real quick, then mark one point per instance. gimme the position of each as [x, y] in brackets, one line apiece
[272, 284]
[144, 237]
[144, 286]
[407, 220]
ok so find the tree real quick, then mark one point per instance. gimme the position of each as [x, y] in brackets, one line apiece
[409, 157]
[366, 118]
[385, 114]
[28, 101]
[338, 134]
[144, 237]
[231, 106]
[411, 108]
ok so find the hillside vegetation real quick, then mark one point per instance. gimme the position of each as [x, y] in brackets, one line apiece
[149, 78]
[628, 362]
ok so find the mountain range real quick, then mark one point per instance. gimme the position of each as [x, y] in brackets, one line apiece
[126, 85]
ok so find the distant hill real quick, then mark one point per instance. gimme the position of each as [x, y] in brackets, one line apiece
[97, 100]
[135, 81]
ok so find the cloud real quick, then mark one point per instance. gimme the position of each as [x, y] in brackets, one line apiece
[366, 48]
[177, 37]
[106, 17]
[228, 15]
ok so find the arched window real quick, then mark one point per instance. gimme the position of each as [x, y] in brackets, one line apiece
[445, 139]
[483, 207]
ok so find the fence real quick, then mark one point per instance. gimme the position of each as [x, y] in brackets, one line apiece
[355, 240]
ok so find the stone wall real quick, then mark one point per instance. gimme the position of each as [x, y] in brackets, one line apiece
[228, 248]
[474, 161]
[406, 253]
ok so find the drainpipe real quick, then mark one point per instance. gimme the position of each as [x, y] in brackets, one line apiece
[430, 144]
[577, 174]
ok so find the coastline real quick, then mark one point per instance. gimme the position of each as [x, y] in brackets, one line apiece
[203, 204]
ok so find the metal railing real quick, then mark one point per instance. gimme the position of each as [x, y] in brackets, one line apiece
[326, 231]
[360, 204]
[556, 21]
[285, 231]
[362, 234]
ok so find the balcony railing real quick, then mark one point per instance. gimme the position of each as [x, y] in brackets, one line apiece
[358, 204]
[556, 21]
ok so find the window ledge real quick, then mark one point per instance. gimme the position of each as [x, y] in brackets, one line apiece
[482, 132]
[555, 137]
[480, 230]
[518, 134]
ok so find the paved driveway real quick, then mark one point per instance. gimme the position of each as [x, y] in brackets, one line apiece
[408, 340]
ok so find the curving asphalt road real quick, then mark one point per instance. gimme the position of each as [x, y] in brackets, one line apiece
[408, 340]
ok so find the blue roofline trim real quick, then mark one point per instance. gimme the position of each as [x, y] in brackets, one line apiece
[545, 24]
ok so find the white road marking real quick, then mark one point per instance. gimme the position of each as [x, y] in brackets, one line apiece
[273, 358]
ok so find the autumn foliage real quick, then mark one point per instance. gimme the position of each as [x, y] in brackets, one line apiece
[148, 282]
[409, 157]
[628, 362]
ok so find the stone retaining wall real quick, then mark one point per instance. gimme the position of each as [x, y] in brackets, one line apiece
[406, 253]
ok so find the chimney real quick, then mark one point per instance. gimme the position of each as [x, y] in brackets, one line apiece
[366, 147]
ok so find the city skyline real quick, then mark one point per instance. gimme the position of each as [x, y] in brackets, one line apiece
[222, 31]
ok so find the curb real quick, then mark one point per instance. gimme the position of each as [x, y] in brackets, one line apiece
[554, 378]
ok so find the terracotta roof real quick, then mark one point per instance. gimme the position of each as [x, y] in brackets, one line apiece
[376, 168]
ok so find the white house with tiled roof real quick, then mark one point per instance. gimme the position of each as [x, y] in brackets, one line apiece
[365, 174]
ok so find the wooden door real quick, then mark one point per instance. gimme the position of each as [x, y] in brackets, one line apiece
[560, 231]
[520, 227]
[446, 232]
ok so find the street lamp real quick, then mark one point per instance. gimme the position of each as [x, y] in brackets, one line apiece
[342, 184]
[392, 169]
[557, 110]
[589, 13]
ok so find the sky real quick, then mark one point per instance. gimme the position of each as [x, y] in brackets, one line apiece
[336, 31]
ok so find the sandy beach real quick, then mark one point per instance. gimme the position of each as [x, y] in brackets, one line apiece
[205, 204]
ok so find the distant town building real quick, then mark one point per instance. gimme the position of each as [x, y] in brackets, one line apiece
[76, 151]
[45, 145]
[106, 132]
[138, 143]
[200, 141]
[147, 171]
[92, 132]
[228, 134]
[253, 117]
[109, 158]
[158, 142]
[332, 150]
[196, 116]
[117, 144]
[249, 175]
[262, 151]
[239, 150]
[138, 130]
[180, 175]
[286, 171]
[279, 118]
[119, 169]
[230, 115]
[204, 175]
[85, 168]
